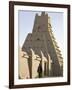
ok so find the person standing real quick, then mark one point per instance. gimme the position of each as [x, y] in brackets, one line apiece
[39, 70]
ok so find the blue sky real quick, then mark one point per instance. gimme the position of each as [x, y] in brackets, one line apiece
[26, 22]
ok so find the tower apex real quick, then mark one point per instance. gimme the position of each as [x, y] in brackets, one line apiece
[43, 13]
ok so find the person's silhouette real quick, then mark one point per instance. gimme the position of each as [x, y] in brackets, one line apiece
[39, 70]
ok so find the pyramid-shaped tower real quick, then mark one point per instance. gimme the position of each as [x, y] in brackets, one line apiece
[42, 40]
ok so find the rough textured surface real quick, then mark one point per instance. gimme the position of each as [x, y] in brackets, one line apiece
[42, 42]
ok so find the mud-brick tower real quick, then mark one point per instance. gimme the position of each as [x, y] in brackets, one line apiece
[43, 43]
